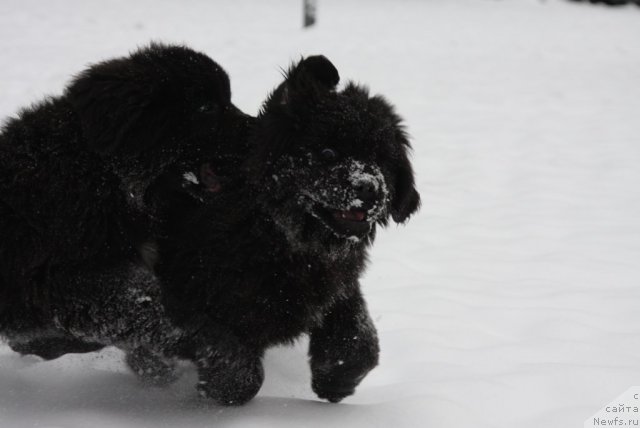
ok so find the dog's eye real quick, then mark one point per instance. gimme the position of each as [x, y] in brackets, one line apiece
[206, 108]
[328, 154]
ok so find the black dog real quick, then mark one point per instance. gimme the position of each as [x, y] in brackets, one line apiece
[77, 201]
[256, 231]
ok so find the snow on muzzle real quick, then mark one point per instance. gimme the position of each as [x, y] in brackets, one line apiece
[350, 197]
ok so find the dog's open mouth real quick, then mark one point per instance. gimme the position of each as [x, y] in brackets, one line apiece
[351, 222]
[349, 215]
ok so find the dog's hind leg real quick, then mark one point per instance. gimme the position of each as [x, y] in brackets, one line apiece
[52, 347]
[121, 307]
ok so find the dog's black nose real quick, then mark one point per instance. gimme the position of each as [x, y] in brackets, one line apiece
[366, 191]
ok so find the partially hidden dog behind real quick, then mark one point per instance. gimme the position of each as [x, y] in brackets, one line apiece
[142, 209]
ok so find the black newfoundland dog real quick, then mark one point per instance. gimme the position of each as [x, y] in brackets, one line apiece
[141, 209]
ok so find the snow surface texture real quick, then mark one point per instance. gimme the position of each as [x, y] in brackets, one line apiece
[511, 300]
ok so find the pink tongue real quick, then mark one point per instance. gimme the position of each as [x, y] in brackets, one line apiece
[355, 215]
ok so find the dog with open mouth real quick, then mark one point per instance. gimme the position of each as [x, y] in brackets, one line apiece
[143, 210]
[281, 255]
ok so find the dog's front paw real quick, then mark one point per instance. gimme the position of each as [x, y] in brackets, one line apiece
[333, 391]
[230, 382]
[333, 381]
[152, 369]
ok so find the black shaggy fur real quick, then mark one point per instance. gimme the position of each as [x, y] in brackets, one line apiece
[141, 209]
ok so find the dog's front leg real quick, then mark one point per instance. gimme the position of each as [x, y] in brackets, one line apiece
[229, 372]
[343, 350]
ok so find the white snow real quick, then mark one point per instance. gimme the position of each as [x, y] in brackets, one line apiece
[190, 177]
[511, 300]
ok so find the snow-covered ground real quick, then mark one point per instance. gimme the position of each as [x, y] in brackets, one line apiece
[511, 300]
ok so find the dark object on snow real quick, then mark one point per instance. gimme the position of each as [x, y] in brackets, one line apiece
[611, 2]
[309, 12]
[143, 210]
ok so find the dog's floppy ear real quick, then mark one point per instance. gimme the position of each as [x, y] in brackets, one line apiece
[317, 69]
[306, 81]
[287, 107]
[406, 199]
[112, 101]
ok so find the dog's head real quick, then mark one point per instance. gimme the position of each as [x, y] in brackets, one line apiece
[329, 165]
[161, 112]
